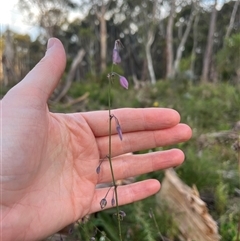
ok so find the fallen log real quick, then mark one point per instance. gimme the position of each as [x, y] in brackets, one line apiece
[76, 101]
[189, 212]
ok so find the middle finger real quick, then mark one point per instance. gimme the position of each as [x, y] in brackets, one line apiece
[142, 140]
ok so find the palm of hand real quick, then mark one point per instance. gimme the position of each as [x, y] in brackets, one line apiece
[53, 165]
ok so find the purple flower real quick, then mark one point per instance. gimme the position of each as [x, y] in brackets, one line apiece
[121, 215]
[98, 169]
[123, 82]
[113, 201]
[119, 131]
[99, 166]
[116, 57]
[103, 203]
[118, 127]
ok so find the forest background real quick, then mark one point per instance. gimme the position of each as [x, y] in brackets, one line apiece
[179, 54]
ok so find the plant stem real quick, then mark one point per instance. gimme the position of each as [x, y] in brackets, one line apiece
[110, 156]
[156, 224]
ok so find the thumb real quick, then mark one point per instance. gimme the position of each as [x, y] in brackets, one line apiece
[44, 77]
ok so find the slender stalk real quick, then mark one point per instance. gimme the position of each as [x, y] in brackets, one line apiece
[110, 155]
[156, 224]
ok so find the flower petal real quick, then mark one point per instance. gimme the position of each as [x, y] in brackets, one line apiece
[116, 57]
[119, 131]
[123, 82]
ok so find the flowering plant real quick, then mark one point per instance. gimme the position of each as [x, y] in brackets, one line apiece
[116, 59]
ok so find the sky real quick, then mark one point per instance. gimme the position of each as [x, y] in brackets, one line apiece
[11, 17]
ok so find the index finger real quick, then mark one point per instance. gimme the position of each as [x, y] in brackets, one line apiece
[132, 119]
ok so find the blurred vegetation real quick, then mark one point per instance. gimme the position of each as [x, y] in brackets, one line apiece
[212, 167]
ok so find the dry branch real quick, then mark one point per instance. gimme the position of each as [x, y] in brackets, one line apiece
[76, 62]
[189, 212]
[77, 100]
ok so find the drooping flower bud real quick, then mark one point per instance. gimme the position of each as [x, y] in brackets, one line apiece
[118, 127]
[103, 203]
[116, 57]
[113, 202]
[121, 215]
[119, 131]
[123, 82]
[98, 169]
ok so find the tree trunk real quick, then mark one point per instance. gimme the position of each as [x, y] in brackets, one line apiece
[208, 52]
[150, 39]
[195, 30]
[103, 36]
[230, 26]
[144, 71]
[8, 60]
[182, 43]
[149, 58]
[169, 41]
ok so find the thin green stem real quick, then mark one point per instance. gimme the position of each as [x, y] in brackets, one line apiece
[156, 224]
[110, 155]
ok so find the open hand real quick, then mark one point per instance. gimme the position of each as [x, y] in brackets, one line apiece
[49, 160]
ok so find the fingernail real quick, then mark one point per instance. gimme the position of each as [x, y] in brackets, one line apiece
[50, 43]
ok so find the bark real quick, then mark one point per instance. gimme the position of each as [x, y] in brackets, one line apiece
[149, 57]
[232, 19]
[70, 77]
[193, 54]
[103, 36]
[208, 52]
[144, 71]
[169, 41]
[151, 37]
[182, 43]
[8, 60]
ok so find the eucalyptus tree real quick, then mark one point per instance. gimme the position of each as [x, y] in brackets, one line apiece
[188, 22]
[143, 19]
[8, 58]
[232, 19]
[49, 15]
[169, 40]
[208, 51]
[103, 11]
[19, 55]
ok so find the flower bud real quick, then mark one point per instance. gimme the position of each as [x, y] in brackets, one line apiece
[123, 82]
[103, 203]
[119, 131]
[116, 57]
[113, 201]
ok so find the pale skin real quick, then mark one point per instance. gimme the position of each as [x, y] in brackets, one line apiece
[49, 160]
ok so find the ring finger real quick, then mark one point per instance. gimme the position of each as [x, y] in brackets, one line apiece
[133, 165]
